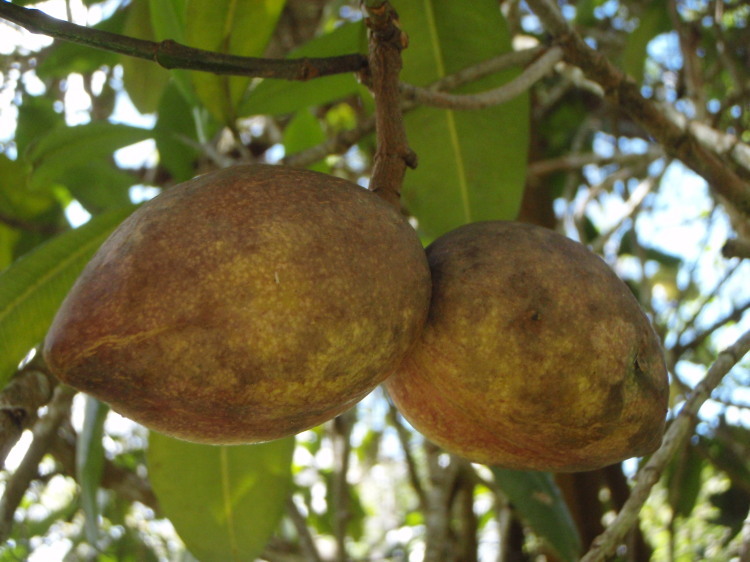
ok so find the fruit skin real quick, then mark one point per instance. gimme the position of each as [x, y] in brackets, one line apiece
[535, 356]
[244, 305]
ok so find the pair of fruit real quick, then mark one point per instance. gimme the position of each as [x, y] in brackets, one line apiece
[258, 301]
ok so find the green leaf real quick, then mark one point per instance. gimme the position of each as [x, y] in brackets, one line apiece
[304, 131]
[168, 22]
[224, 501]
[144, 80]
[231, 27]
[99, 186]
[16, 199]
[538, 500]
[276, 97]
[32, 289]
[168, 19]
[36, 117]
[174, 128]
[90, 463]
[69, 147]
[653, 21]
[684, 481]
[472, 164]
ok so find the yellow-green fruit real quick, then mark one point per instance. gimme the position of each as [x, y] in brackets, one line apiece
[535, 355]
[244, 305]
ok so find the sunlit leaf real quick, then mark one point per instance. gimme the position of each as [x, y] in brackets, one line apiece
[538, 501]
[231, 27]
[224, 501]
[32, 289]
[472, 164]
[281, 96]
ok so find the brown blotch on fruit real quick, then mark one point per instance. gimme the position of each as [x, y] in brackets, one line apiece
[535, 355]
[244, 305]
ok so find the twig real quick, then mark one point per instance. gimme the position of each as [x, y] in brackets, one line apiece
[342, 448]
[346, 139]
[485, 68]
[723, 144]
[606, 543]
[306, 541]
[28, 391]
[705, 299]
[392, 153]
[535, 71]
[44, 432]
[625, 93]
[171, 54]
[578, 161]
[437, 515]
[679, 349]
[632, 205]
[411, 465]
[125, 482]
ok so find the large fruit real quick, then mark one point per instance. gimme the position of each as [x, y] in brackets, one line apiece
[535, 355]
[244, 305]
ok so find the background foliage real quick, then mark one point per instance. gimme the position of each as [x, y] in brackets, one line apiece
[85, 134]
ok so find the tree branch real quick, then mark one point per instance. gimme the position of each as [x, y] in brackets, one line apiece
[736, 248]
[346, 139]
[606, 543]
[623, 92]
[171, 54]
[530, 76]
[28, 391]
[44, 433]
[306, 540]
[392, 153]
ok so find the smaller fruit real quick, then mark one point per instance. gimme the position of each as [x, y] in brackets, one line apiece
[535, 355]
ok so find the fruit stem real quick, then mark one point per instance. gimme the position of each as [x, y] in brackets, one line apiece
[392, 154]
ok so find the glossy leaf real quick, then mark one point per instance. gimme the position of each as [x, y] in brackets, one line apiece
[224, 501]
[68, 147]
[228, 26]
[472, 163]
[90, 463]
[538, 501]
[32, 289]
[278, 97]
